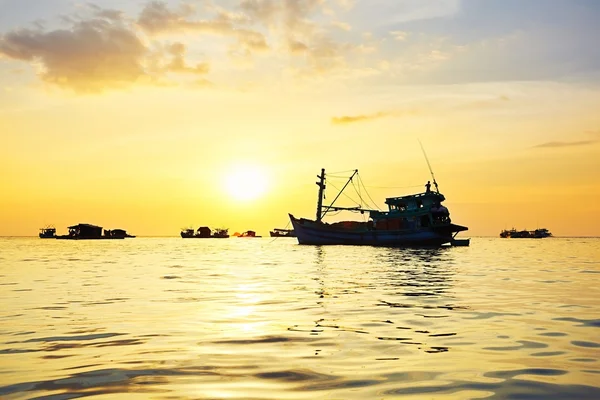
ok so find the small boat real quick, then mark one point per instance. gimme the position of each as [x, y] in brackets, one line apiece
[117, 234]
[92, 232]
[204, 232]
[515, 234]
[414, 220]
[249, 234]
[48, 232]
[282, 233]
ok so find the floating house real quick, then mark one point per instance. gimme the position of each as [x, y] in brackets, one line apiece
[89, 231]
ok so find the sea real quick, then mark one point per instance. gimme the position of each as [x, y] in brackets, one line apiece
[263, 318]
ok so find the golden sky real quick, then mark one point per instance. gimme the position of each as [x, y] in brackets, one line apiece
[145, 116]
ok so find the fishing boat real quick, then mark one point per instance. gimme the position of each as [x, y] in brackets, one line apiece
[414, 220]
[525, 234]
[204, 232]
[282, 233]
[48, 232]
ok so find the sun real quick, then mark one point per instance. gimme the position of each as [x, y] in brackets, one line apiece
[246, 183]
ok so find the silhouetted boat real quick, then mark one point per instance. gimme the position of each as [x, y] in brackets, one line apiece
[282, 233]
[117, 234]
[515, 234]
[414, 220]
[88, 232]
[249, 234]
[48, 232]
[204, 232]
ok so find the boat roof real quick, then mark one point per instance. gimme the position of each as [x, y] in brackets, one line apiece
[84, 226]
[419, 196]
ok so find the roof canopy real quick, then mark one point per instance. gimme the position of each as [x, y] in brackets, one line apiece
[434, 196]
[84, 226]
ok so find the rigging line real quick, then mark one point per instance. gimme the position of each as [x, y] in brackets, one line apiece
[367, 192]
[393, 187]
[340, 192]
[340, 172]
[350, 198]
[344, 177]
[359, 196]
[361, 183]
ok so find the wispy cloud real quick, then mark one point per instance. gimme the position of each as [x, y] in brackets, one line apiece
[566, 144]
[350, 119]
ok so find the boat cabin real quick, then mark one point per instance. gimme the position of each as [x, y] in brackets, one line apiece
[250, 234]
[116, 233]
[85, 231]
[48, 232]
[203, 232]
[412, 211]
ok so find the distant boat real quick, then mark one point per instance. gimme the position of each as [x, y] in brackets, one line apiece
[117, 234]
[249, 234]
[414, 220]
[282, 233]
[515, 234]
[89, 232]
[204, 232]
[48, 232]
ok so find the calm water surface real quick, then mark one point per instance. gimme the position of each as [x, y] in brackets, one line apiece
[168, 318]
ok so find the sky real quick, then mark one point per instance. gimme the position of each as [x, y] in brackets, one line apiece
[154, 116]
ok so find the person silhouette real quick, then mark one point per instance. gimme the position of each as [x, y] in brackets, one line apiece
[428, 187]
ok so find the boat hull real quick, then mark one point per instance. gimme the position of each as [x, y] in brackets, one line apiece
[89, 238]
[311, 232]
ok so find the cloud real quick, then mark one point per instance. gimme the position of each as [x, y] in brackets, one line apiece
[349, 119]
[156, 18]
[566, 144]
[102, 52]
[178, 63]
[344, 26]
[108, 50]
[400, 35]
[89, 56]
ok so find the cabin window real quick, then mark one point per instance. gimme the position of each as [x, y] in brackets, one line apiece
[402, 207]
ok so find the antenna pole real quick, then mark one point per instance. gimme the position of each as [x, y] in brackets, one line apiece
[321, 184]
[429, 165]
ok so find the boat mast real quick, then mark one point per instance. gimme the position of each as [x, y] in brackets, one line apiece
[429, 165]
[321, 185]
